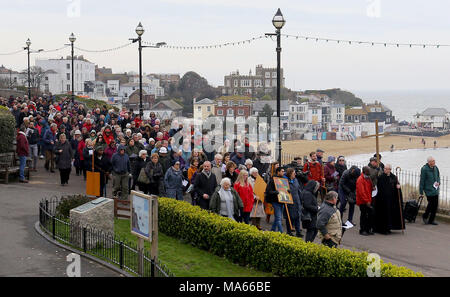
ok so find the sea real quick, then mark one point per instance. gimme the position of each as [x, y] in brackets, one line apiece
[406, 103]
[410, 160]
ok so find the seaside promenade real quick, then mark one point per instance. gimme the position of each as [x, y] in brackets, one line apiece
[23, 252]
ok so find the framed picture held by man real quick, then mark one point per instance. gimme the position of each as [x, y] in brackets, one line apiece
[282, 186]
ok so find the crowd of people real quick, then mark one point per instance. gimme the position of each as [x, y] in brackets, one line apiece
[141, 154]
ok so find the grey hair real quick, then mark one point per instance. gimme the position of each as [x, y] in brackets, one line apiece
[217, 156]
[253, 170]
[430, 158]
[141, 152]
[331, 195]
[225, 180]
[388, 165]
[248, 161]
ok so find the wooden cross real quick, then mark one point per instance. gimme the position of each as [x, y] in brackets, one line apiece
[376, 135]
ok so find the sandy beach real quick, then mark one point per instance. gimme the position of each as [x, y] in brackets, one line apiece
[361, 145]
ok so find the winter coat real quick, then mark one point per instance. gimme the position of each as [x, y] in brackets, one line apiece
[138, 165]
[204, 185]
[22, 147]
[271, 195]
[165, 162]
[428, 176]
[347, 181]
[120, 163]
[315, 171]
[296, 208]
[309, 203]
[64, 158]
[49, 136]
[330, 180]
[217, 170]
[246, 194]
[329, 222]
[32, 136]
[173, 183]
[375, 173]
[214, 204]
[363, 190]
[154, 172]
[109, 152]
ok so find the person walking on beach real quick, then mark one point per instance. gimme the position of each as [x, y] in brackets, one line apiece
[435, 143]
[430, 183]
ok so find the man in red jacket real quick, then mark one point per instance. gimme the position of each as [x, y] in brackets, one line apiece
[364, 200]
[23, 151]
[315, 172]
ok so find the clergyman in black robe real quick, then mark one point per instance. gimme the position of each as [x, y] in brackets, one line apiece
[388, 204]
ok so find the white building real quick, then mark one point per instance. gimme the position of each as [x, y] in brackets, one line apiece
[433, 118]
[337, 112]
[298, 116]
[62, 83]
[113, 86]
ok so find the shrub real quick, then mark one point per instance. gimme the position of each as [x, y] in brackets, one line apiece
[274, 252]
[69, 202]
[7, 130]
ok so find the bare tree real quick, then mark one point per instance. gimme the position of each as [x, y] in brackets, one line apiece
[37, 75]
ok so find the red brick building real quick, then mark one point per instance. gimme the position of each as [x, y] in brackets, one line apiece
[233, 106]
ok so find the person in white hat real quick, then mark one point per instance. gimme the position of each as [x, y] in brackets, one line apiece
[164, 159]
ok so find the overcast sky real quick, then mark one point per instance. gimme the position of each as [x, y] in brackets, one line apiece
[104, 24]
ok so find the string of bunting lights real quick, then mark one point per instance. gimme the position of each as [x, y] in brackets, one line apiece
[248, 41]
[105, 50]
[219, 45]
[373, 43]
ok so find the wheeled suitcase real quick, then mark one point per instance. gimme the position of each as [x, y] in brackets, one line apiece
[412, 209]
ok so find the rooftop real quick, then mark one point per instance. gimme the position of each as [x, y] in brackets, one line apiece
[435, 112]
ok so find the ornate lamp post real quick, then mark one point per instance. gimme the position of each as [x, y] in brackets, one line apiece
[278, 22]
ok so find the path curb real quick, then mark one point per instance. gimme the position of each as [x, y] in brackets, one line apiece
[90, 257]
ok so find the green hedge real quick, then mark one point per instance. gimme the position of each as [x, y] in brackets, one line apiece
[268, 251]
[7, 130]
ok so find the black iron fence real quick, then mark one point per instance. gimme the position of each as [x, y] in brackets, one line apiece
[105, 246]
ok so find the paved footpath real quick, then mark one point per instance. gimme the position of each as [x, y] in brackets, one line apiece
[23, 252]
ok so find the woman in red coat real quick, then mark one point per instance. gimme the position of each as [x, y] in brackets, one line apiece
[245, 191]
[364, 189]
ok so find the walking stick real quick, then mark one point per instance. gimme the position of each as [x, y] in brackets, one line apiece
[398, 169]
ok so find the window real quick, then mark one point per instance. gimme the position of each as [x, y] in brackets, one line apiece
[219, 112]
[267, 83]
[46, 78]
[241, 103]
[235, 82]
[199, 108]
[267, 74]
[257, 83]
[228, 83]
[208, 108]
[274, 82]
[246, 83]
[240, 112]
[230, 112]
[219, 103]
[274, 75]
[230, 103]
[68, 66]
[292, 108]
[68, 87]
[68, 76]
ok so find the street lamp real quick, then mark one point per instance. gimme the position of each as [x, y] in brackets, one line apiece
[140, 31]
[72, 40]
[29, 80]
[278, 22]
[28, 43]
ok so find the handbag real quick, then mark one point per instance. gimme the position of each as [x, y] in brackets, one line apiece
[143, 178]
[351, 198]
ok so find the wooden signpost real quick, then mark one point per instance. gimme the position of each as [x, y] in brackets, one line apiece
[144, 224]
